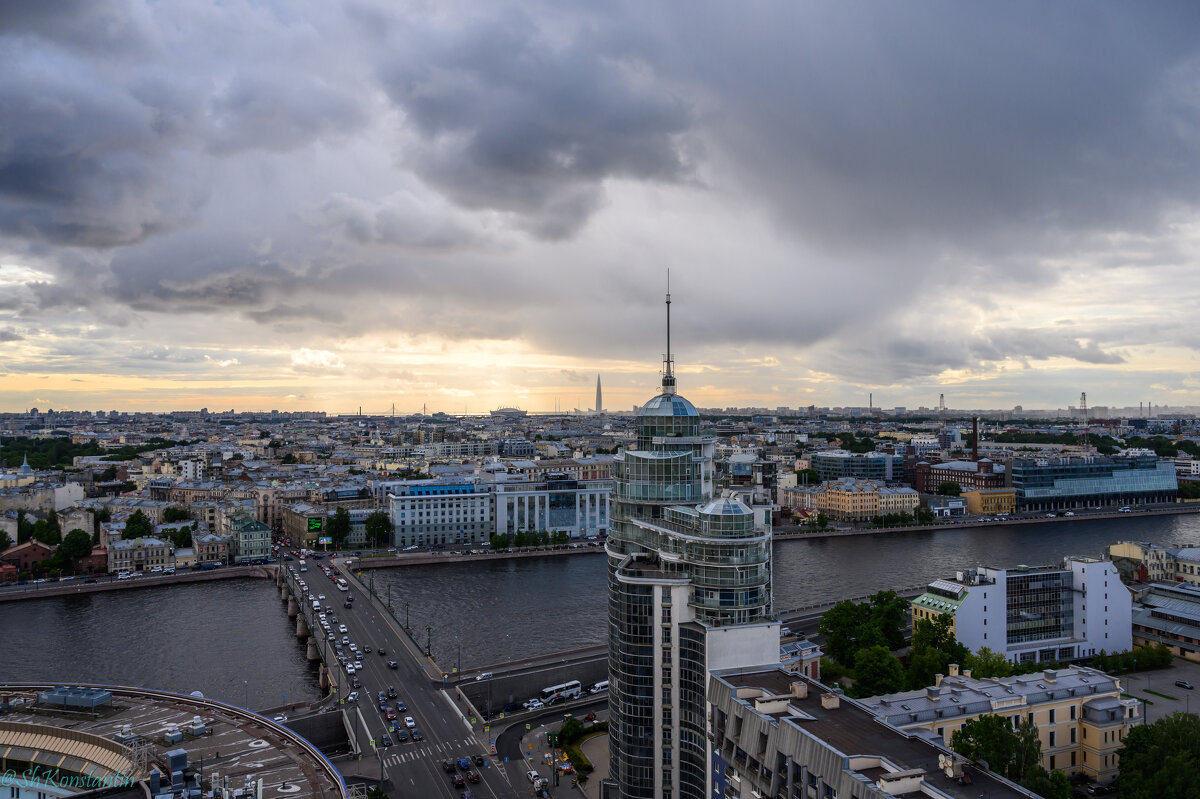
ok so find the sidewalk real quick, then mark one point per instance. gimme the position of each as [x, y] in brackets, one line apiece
[595, 749]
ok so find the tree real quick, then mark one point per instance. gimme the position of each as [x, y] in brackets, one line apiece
[986, 663]
[889, 613]
[288, 459]
[807, 477]
[182, 537]
[924, 515]
[138, 525]
[338, 527]
[1047, 784]
[77, 544]
[172, 514]
[108, 474]
[847, 628]
[949, 488]
[934, 648]
[1161, 760]
[379, 528]
[46, 533]
[24, 528]
[990, 738]
[5, 540]
[877, 672]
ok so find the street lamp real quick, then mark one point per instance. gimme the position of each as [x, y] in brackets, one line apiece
[428, 640]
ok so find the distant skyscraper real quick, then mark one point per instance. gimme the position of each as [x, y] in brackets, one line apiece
[689, 591]
[599, 403]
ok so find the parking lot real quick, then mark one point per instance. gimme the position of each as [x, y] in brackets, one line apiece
[1162, 681]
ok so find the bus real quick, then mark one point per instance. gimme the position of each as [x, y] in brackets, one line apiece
[568, 690]
[303, 565]
[342, 584]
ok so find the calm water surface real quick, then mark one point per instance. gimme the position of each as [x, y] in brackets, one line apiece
[228, 639]
[490, 612]
[232, 640]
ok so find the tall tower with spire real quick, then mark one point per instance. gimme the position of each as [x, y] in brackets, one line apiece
[599, 402]
[689, 579]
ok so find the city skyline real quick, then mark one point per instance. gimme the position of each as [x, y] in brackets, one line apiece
[325, 206]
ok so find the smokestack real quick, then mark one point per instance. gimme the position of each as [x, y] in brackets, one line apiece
[975, 438]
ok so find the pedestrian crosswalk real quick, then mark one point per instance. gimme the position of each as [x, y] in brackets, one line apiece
[410, 753]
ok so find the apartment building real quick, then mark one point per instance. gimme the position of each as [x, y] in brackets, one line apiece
[1080, 713]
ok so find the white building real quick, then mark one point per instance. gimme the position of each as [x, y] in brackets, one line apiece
[1035, 614]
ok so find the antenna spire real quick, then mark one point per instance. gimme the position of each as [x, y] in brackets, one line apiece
[668, 381]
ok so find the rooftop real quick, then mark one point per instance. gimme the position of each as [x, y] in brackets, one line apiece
[237, 743]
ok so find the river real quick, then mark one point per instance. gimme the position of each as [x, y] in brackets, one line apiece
[232, 640]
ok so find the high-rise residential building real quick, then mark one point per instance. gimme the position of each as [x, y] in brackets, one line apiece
[689, 592]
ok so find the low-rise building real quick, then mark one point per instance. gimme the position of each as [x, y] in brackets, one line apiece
[140, 554]
[983, 473]
[1169, 614]
[990, 501]
[1035, 614]
[1151, 563]
[851, 499]
[777, 734]
[27, 557]
[1081, 717]
[211, 549]
[251, 540]
[1051, 484]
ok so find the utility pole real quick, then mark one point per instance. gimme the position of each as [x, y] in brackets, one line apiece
[428, 641]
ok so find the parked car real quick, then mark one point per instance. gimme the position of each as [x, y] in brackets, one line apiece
[1184, 684]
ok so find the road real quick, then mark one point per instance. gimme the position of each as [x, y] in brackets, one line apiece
[413, 769]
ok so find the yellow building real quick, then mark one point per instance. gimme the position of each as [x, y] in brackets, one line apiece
[1150, 563]
[990, 501]
[851, 499]
[1081, 716]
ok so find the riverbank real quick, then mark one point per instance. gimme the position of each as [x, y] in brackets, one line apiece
[78, 586]
[790, 532]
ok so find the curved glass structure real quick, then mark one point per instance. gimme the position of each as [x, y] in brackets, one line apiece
[684, 567]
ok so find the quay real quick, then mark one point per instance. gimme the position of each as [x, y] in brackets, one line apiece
[103, 583]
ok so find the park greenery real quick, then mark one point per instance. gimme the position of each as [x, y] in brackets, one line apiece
[379, 529]
[1161, 760]
[524, 539]
[59, 451]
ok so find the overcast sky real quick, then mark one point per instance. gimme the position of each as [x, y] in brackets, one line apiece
[314, 204]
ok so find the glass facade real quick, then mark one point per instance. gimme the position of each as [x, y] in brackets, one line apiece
[669, 537]
[1040, 606]
[1045, 484]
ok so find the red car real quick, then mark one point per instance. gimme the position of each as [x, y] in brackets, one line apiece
[391, 715]
[473, 776]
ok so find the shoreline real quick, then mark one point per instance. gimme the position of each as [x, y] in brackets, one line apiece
[77, 586]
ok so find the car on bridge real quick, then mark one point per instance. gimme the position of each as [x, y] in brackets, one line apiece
[387, 739]
[457, 781]
[448, 766]
[393, 664]
[472, 776]
[417, 736]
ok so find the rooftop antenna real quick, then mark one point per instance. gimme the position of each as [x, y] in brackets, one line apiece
[1083, 409]
[668, 381]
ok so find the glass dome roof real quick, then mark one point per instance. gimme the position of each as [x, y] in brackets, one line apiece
[668, 405]
[725, 506]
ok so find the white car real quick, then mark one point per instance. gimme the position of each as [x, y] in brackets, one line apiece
[342, 629]
[353, 647]
[345, 638]
[533, 776]
[409, 722]
[321, 596]
[534, 704]
[349, 668]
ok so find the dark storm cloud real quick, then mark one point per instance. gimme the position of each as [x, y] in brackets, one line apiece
[518, 118]
[176, 157]
[861, 122]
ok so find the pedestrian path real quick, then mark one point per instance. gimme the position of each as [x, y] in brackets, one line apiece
[409, 753]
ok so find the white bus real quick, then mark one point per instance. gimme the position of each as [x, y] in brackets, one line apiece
[568, 690]
[342, 584]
